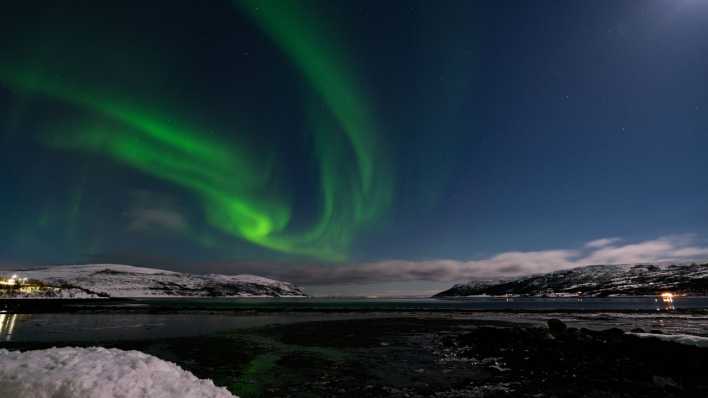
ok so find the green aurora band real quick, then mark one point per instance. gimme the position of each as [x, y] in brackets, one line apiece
[234, 185]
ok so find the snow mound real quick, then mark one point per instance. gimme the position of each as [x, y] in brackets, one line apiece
[97, 372]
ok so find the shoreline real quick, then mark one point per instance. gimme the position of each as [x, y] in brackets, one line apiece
[314, 305]
[428, 356]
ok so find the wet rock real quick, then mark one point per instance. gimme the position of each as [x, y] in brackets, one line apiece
[663, 382]
[582, 362]
[556, 327]
[612, 335]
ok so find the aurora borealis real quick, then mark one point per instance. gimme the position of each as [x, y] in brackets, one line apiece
[234, 182]
[281, 133]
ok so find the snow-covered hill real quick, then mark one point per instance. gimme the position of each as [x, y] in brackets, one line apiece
[113, 280]
[597, 280]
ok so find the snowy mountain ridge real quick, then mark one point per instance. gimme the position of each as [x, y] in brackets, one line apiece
[596, 280]
[117, 280]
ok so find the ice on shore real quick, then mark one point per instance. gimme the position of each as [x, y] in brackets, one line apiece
[687, 339]
[97, 372]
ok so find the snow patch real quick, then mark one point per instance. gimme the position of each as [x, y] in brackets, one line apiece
[687, 339]
[97, 372]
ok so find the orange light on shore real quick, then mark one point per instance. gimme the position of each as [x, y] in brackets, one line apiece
[667, 297]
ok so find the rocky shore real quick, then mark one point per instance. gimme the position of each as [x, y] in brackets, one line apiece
[433, 357]
[566, 362]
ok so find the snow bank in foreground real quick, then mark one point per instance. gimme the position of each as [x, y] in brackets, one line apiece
[97, 372]
[687, 339]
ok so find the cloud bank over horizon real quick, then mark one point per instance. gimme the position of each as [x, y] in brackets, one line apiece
[423, 277]
[673, 248]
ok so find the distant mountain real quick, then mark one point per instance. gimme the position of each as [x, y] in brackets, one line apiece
[596, 280]
[113, 280]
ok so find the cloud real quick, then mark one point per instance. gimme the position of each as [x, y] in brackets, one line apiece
[668, 248]
[147, 219]
[597, 243]
[505, 265]
[150, 211]
[692, 252]
[9, 265]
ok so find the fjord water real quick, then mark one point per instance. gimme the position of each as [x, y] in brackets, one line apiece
[643, 303]
[165, 318]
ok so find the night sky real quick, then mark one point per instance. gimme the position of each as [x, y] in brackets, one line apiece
[354, 146]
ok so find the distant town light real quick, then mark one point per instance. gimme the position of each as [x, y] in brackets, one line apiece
[13, 281]
[667, 297]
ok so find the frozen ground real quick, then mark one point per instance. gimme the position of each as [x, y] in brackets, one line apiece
[97, 372]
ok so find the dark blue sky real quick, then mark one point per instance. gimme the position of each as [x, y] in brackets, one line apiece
[569, 121]
[499, 126]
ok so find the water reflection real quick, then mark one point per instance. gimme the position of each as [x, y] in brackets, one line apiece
[8, 323]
